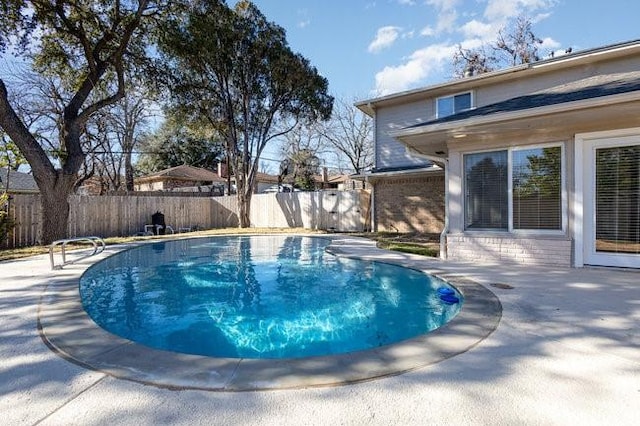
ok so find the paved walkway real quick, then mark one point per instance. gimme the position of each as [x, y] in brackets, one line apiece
[566, 351]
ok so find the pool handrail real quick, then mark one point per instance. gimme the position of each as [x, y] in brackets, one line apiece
[63, 243]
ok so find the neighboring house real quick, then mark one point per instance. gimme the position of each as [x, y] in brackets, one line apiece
[180, 178]
[542, 160]
[341, 183]
[19, 183]
[265, 183]
[269, 183]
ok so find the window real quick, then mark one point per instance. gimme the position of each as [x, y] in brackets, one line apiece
[537, 192]
[517, 189]
[618, 199]
[486, 190]
[450, 105]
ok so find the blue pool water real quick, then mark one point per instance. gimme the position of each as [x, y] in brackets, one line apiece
[259, 297]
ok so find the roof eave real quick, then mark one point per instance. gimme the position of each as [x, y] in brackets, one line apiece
[374, 175]
[460, 125]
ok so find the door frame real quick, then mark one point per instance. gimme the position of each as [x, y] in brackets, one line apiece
[583, 200]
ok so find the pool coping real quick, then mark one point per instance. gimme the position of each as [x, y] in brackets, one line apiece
[66, 329]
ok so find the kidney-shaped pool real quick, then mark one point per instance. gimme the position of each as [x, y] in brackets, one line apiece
[261, 297]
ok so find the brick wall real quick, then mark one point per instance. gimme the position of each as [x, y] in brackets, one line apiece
[410, 204]
[532, 251]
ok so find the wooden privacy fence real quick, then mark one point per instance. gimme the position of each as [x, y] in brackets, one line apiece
[123, 215]
[341, 211]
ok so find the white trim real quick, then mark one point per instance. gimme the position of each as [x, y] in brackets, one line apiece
[586, 145]
[578, 203]
[399, 173]
[453, 96]
[464, 191]
[563, 191]
[564, 223]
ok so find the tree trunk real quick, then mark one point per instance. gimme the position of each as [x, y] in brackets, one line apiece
[128, 172]
[55, 206]
[244, 208]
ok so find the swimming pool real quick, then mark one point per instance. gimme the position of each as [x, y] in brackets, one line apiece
[259, 297]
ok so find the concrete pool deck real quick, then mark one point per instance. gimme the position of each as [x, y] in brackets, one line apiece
[566, 351]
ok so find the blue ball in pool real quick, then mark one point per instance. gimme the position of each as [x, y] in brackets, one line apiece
[445, 291]
[449, 299]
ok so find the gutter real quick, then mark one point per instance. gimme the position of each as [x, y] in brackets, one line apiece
[444, 163]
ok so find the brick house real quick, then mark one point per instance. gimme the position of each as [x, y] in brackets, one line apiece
[537, 164]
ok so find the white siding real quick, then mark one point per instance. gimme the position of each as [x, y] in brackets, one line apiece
[390, 152]
[533, 83]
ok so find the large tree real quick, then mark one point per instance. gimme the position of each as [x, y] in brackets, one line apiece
[126, 122]
[301, 148]
[180, 141]
[236, 69]
[350, 133]
[515, 44]
[87, 47]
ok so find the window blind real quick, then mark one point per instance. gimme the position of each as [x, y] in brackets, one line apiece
[618, 199]
[486, 190]
[536, 184]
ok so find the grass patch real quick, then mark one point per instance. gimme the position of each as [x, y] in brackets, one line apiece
[414, 243]
[420, 249]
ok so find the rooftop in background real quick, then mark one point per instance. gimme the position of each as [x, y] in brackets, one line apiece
[184, 172]
[18, 182]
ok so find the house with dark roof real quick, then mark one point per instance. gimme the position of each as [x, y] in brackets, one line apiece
[17, 182]
[180, 178]
[536, 164]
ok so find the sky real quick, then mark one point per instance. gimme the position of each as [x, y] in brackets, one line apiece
[370, 48]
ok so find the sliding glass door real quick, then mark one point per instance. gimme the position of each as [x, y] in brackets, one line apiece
[612, 202]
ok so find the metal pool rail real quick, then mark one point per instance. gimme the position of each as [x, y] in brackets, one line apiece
[63, 243]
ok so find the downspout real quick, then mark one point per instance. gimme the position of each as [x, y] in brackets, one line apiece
[372, 222]
[372, 203]
[444, 163]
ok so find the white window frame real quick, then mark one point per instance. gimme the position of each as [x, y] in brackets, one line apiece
[471, 105]
[563, 190]
[585, 147]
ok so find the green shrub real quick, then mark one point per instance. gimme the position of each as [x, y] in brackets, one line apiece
[6, 224]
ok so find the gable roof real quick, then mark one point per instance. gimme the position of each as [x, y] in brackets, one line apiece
[18, 182]
[588, 88]
[598, 102]
[183, 173]
[468, 83]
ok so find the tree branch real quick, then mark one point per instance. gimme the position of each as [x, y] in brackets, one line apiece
[18, 132]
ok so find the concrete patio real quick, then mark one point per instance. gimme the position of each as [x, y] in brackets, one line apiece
[566, 351]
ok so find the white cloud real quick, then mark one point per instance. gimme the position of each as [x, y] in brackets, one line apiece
[304, 24]
[480, 30]
[443, 4]
[471, 30]
[501, 10]
[427, 31]
[447, 17]
[409, 34]
[447, 21]
[415, 70]
[549, 44]
[407, 2]
[385, 37]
